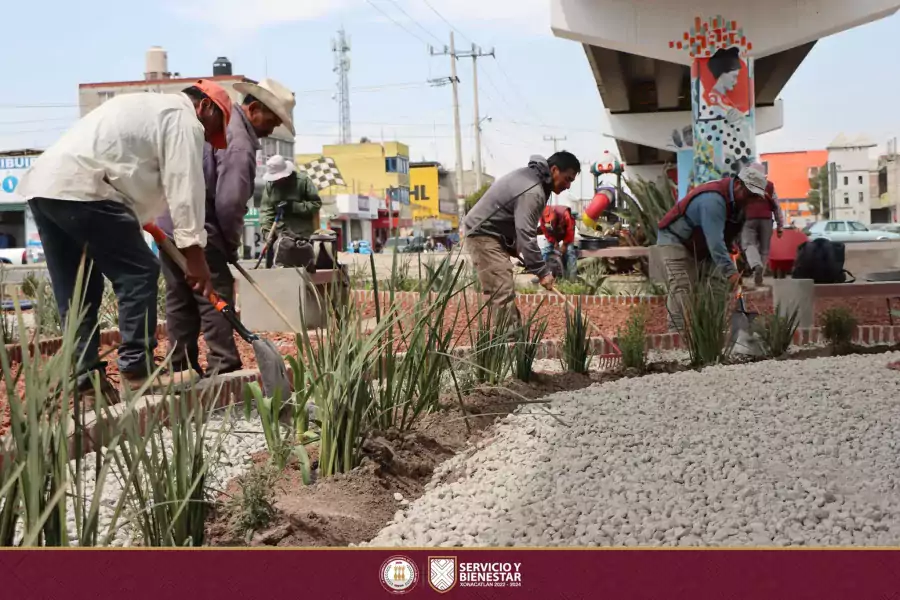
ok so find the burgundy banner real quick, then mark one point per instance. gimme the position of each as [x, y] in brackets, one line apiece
[450, 573]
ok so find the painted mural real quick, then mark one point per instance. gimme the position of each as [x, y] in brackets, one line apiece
[722, 100]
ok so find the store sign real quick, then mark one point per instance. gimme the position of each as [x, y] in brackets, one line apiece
[252, 217]
[362, 203]
[11, 170]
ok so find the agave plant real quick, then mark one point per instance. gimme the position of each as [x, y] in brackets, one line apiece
[645, 206]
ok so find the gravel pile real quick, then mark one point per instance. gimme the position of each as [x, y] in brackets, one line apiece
[774, 453]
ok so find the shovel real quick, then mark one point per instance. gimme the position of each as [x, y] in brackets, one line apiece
[745, 341]
[269, 360]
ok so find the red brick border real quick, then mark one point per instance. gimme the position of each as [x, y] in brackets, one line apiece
[50, 346]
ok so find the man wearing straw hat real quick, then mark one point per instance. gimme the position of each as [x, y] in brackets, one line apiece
[121, 166]
[230, 180]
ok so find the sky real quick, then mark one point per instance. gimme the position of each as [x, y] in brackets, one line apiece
[536, 85]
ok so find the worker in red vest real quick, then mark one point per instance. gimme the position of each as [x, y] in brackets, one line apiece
[756, 238]
[701, 230]
[558, 226]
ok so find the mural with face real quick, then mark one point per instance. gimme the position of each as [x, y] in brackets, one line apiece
[722, 100]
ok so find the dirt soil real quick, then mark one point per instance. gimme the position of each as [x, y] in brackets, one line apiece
[353, 508]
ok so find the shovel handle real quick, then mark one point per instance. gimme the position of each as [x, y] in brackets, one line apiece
[172, 251]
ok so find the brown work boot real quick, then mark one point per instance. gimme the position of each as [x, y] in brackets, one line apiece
[758, 276]
[88, 393]
[132, 382]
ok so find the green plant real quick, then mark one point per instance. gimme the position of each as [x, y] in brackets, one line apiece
[44, 472]
[838, 327]
[254, 507]
[8, 329]
[108, 316]
[633, 341]
[645, 206]
[492, 356]
[705, 330]
[577, 341]
[40, 292]
[775, 332]
[282, 444]
[414, 355]
[529, 337]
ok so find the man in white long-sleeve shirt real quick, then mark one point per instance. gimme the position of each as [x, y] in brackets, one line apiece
[119, 167]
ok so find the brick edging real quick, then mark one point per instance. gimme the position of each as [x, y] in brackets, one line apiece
[46, 347]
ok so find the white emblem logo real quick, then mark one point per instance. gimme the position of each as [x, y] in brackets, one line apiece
[399, 574]
[442, 573]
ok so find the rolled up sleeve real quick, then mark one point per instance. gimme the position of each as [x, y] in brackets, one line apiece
[181, 168]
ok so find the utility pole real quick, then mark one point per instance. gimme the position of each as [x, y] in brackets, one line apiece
[460, 197]
[341, 49]
[475, 53]
[550, 138]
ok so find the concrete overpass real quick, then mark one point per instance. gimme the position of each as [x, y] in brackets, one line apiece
[672, 72]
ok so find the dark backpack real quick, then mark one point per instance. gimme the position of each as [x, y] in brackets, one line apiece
[822, 261]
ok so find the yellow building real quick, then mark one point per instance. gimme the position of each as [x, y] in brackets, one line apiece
[367, 173]
[432, 197]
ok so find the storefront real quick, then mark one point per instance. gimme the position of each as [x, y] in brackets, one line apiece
[17, 228]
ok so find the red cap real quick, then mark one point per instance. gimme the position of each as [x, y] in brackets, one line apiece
[221, 99]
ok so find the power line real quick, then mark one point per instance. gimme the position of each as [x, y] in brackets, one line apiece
[419, 25]
[444, 19]
[397, 23]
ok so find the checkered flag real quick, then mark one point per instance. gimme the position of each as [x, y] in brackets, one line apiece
[322, 172]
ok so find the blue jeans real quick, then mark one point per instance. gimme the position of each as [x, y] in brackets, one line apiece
[112, 237]
[570, 260]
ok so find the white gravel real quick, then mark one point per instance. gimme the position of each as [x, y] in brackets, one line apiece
[773, 453]
[242, 439]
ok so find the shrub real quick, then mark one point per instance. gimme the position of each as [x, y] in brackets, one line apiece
[838, 327]
[528, 341]
[775, 332]
[707, 320]
[46, 310]
[577, 341]
[254, 507]
[633, 341]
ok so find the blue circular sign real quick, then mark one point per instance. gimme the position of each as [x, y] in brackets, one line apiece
[9, 184]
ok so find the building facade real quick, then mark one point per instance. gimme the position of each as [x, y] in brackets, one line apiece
[433, 198]
[791, 172]
[851, 182]
[158, 79]
[380, 173]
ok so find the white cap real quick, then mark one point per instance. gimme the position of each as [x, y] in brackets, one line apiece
[754, 177]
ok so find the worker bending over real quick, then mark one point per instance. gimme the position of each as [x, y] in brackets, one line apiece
[700, 231]
[122, 165]
[293, 200]
[230, 177]
[504, 223]
[558, 226]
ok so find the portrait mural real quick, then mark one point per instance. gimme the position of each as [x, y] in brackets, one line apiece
[722, 99]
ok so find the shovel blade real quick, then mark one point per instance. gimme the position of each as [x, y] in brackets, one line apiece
[272, 371]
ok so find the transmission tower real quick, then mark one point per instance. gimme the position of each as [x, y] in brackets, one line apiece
[341, 49]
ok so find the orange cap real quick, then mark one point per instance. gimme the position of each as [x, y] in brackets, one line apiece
[221, 99]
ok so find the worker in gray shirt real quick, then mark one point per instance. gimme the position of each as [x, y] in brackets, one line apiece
[504, 224]
[230, 182]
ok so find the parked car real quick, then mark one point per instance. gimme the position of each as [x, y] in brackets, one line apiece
[847, 231]
[892, 227]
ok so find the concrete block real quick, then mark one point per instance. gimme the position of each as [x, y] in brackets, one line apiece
[799, 294]
[300, 302]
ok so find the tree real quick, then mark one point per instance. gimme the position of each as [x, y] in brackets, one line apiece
[819, 193]
[475, 196]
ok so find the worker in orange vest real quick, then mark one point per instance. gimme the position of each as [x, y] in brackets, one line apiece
[558, 226]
